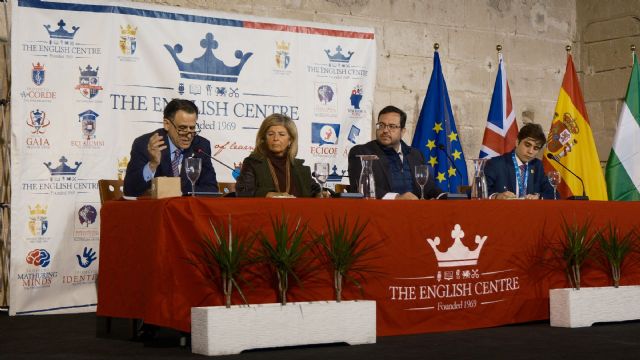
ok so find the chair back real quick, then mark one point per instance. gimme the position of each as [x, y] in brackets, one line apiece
[227, 187]
[110, 190]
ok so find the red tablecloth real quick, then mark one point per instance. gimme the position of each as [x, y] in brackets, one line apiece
[146, 245]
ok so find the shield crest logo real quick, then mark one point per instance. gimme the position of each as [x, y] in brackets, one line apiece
[88, 120]
[37, 74]
[88, 83]
[38, 121]
[38, 223]
[282, 55]
[128, 40]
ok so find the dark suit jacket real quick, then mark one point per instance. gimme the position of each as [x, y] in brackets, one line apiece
[255, 178]
[381, 172]
[134, 184]
[501, 175]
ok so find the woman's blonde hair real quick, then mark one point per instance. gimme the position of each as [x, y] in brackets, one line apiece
[273, 120]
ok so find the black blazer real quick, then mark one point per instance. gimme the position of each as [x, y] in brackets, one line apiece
[381, 174]
[501, 175]
[134, 184]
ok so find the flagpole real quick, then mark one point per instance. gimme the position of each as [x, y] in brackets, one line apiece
[633, 53]
[436, 47]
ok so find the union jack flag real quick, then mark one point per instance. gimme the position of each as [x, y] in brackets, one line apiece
[502, 130]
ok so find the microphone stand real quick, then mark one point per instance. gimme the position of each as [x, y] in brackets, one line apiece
[573, 197]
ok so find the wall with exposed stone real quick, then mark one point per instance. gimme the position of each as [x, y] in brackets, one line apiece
[606, 30]
[533, 34]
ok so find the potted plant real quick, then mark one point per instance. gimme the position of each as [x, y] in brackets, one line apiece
[215, 332]
[289, 254]
[614, 250]
[574, 249]
[224, 257]
[346, 252]
[579, 307]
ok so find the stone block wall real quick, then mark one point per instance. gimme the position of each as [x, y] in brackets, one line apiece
[605, 31]
[533, 34]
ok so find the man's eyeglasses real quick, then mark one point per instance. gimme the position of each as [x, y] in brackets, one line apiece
[186, 130]
[391, 127]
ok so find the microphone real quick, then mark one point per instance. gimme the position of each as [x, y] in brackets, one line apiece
[574, 197]
[200, 151]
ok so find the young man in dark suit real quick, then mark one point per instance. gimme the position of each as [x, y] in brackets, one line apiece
[162, 152]
[519, 174]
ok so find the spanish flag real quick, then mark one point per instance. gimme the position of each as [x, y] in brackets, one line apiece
[570, 141]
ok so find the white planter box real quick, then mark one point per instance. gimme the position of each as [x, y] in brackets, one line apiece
[217, 330]
[579, 308]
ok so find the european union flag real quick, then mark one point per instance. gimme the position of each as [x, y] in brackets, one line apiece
[436, 135]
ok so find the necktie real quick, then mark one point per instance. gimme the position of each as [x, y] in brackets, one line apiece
[175, 163]
[522, 186]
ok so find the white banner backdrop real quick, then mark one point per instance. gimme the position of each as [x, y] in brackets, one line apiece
[89, 77]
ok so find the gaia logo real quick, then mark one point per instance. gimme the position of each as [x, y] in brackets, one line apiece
[208, 67]
[38, 121]
[87, 215]
[282, 55]
[128, 41]
[37, 74]
[38, 223]
[88, 82]
[38, 258]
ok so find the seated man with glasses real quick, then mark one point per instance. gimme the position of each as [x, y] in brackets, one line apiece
[394, 171]
[162, 152]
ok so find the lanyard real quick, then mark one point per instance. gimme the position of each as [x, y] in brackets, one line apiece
[522, 185]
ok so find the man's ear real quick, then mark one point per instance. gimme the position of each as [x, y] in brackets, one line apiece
[165, 124]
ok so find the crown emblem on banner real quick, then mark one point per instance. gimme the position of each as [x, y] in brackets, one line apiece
[207, 66]
[282, 45]
[38, 210]
[458, 254]
[60, 32]
[122, 163]
[37, 67]
[63, 168]
[89, 71]
[128, 30]
[338, 56]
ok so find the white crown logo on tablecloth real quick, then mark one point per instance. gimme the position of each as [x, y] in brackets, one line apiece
[457, 254]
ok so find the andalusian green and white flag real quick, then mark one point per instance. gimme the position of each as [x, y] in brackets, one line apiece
[623, 167]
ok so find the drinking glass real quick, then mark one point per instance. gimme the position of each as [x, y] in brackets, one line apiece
[554, 180]
[321, 171]
[422, 175]
[192, 168]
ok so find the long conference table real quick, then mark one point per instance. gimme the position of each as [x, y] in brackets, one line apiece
[440, 265]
